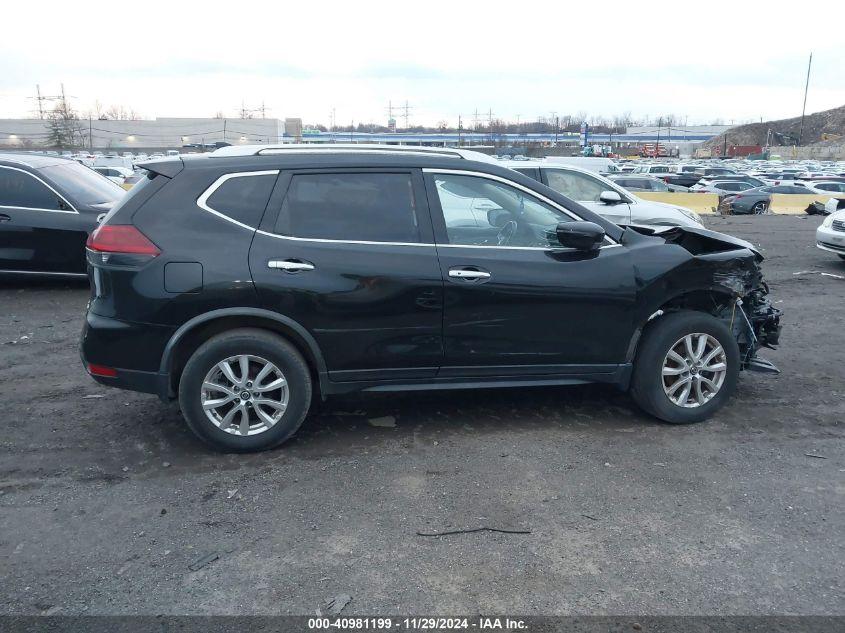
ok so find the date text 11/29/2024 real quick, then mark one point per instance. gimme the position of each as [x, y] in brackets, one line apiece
[417, 623]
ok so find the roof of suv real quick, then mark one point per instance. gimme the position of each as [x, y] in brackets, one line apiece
[346, 148]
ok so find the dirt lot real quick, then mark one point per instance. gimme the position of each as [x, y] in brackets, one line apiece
[107, 498]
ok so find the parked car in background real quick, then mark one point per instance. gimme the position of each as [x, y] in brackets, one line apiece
[590, 163]
[755, 201]
[709, 180]
[652, 169]
[830, 236]
[48, 207]
[603, 196]
[824, 187]
[117, 175]
[716, 171]
[251, 282]
[724, 187]
[636, 182]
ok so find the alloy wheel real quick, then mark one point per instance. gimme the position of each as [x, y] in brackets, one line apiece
[694, 370]
[244, 395]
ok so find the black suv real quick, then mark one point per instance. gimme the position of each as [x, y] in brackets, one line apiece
[246, 281]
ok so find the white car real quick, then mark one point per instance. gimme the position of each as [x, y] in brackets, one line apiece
[824, 187]
[603, 196]
[830, 236]
[114, 173]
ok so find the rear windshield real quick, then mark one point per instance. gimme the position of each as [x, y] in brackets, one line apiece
[83, 184]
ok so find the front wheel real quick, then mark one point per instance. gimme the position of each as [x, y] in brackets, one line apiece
[245, 390]
[686, 367]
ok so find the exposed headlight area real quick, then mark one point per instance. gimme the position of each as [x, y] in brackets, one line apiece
[692, 215]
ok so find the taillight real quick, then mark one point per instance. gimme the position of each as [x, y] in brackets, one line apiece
[121, 238]
[102, 370]
[737, 196]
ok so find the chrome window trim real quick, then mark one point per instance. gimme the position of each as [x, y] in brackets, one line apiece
[43, 182]
[202, 201]
[321, 240]
[426, 244]
[511, 183]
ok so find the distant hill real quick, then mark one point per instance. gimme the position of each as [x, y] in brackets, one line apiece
[830, 122]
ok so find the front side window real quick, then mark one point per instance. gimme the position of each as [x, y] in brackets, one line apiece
[20, 189]
[360, 207]
[575, 185]
[483, 212]
[243, 198]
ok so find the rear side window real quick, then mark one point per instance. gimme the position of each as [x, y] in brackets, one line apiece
[20, 189]
[575, 185]
[241, 197]
[364, 207]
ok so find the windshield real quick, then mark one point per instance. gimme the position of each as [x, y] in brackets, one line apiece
[83, 184]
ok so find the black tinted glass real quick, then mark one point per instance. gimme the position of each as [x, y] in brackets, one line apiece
[19, 189]
[350, 207]
[243, 198]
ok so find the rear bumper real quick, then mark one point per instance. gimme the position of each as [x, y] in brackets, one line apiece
[132, 350]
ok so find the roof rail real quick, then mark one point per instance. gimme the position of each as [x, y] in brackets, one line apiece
[348, 148]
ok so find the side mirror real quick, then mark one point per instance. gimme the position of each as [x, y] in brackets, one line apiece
[610, 197]
[584, 236]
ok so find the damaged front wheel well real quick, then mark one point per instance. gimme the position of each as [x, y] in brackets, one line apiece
[710, 301]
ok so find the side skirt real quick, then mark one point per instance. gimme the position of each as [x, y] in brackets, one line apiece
[618, 375]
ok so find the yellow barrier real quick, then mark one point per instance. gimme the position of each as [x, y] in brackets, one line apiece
[701, 202]
[795, 203]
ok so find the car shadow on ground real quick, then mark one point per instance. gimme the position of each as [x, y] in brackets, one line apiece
[348, 425]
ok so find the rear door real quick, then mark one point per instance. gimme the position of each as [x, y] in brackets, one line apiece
[349, 255]
[40, 231]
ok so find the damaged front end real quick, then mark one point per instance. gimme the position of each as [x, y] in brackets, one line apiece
[730, 268]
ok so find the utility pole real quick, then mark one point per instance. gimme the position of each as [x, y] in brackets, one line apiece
[406, 115]
[804, 109]
[224, 130]
[39, 98]
[90, 135]
[459, 130]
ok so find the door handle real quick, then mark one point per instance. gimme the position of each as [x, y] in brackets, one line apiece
[5, 218]
[290, 265]
[468, 274]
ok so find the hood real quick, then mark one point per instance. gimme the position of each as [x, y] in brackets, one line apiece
[699, 241]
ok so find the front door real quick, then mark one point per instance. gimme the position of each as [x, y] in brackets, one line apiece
[516, 303]
[349, 255]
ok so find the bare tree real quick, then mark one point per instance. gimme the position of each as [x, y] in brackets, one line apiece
[120, 113]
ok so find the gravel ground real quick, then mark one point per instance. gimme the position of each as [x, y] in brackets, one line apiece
[107, 498]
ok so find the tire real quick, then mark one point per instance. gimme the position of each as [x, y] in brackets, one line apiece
[841, 256]
[648, 385]
[282, 409]
[759, 208]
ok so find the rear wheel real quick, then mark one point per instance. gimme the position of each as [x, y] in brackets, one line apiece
[760, 208]
[245, 390]
[686, 367]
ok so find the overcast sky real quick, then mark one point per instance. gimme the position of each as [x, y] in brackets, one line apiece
[734, 61]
